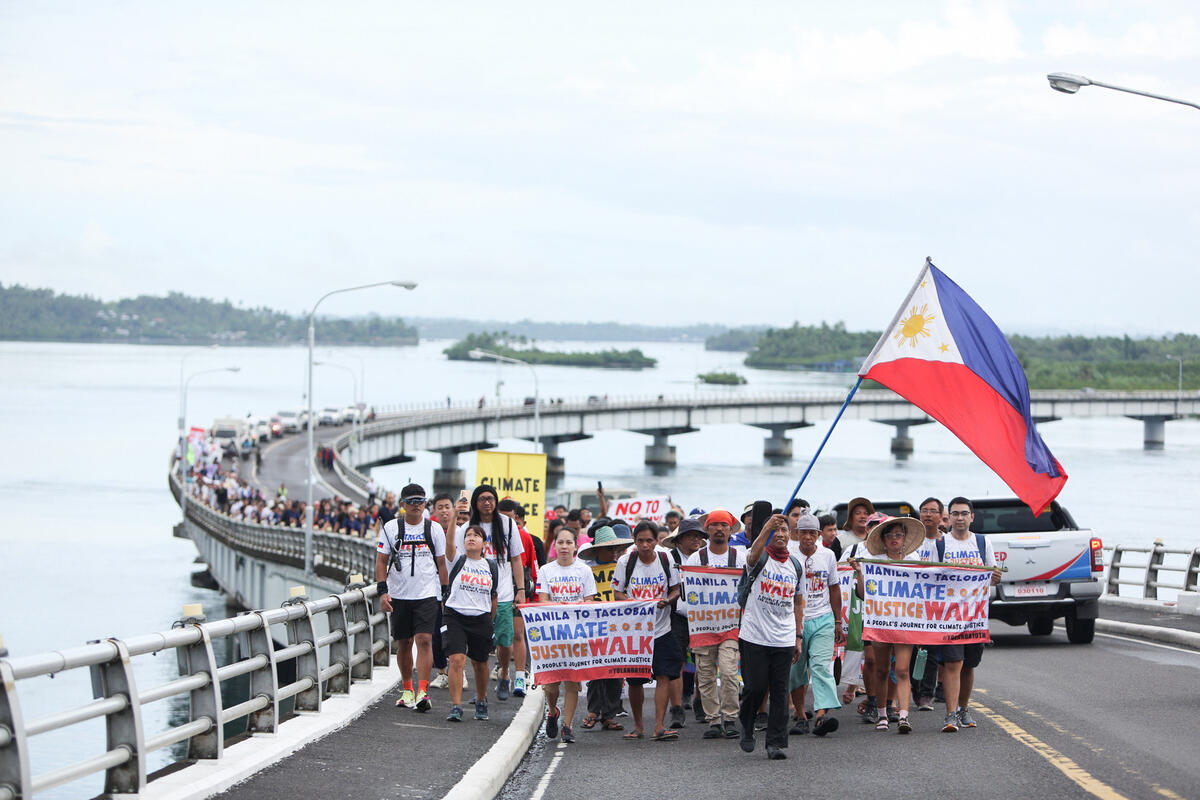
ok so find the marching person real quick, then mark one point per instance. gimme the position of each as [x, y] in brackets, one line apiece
[442, 511]
[924, 688]
[604, 694]
[647, 574]
[470, 605]
[410, 566]
[770, 637]
[566, 579]
[822, 631]
[685, 541]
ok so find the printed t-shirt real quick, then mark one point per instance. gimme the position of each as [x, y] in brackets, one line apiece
[417, 577]
[927, 551]
[966, 551]
[769, 618]
[505, 592]
[820, 577]
[721, 561]
[569, 584]
[471, 591]
[648, 583]
[848, 539]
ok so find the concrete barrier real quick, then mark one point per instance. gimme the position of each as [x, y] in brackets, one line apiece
[487, 777]
[1152, 633]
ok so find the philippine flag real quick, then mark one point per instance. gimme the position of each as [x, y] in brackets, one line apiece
[945, 355]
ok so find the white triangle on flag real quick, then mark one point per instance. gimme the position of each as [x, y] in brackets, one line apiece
[918, 330]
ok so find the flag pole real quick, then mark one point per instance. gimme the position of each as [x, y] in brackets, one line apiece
[817, 454]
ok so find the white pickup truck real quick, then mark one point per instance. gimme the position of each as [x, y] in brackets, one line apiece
[1053, 568]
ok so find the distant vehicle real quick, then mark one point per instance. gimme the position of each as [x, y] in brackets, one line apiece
[303, 417]
[329, 416]
[262, 430]
[351, 414]
[228, 432]
[276, 426]
[289, 421]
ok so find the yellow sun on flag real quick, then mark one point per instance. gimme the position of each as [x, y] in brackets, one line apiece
[916, 325]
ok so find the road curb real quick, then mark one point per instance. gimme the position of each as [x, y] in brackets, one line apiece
[487, 777]
[1151, 632]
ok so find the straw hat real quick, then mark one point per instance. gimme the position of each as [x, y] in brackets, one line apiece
[604, 537]
[858, 501]
[914, 534]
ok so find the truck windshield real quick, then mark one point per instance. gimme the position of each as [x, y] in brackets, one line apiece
[1016, 518]
[225, 433]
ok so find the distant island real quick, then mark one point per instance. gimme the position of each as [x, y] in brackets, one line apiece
[737, 340]
[502, 343]
[42, 315]
[566, 331]
[721, 378]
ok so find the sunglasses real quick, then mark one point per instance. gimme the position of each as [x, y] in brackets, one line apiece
[413, 501]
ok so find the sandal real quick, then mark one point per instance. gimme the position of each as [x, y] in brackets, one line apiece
[666, 735]
[634, 735]
[610, 725]
[590, 721]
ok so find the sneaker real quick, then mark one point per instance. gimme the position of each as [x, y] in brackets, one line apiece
[481, 709]
[455, 714]
[951, 725]
[965, 720]
[775, 753]
[496, 673]
[519, 685]
[552, 723]
[747, 744]
[466, 677]
[826, 723]
[760, 721]
[714, 732]
[698, 709]
[423, 703]
[677, 718]
[502, 689]
[440, 682]
[925, 703]
[731, 730]
[621, 713]
[567, 736]
[799, 727]
[892, 714]
[882, 724]
[870, 715]
[905, 726]
[407, 699]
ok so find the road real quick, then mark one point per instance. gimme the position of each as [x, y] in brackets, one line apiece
[1112, 719]
[283, 462]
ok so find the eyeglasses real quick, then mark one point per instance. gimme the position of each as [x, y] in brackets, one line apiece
[894, 535]
[413, 501]
[960, 513]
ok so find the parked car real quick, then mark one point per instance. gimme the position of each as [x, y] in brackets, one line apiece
[289, 421]
[276, 426]
[329, 416]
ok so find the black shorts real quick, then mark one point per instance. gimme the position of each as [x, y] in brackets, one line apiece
[679, 629]
[471, 636]
[410, 617]
[969, 654]
[667, 662]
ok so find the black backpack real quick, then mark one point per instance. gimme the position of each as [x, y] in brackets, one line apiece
[394, 561]
[750, 575]
[732, 557]
[632, 562]
[456, 568]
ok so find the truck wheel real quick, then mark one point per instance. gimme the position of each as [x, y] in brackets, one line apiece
[1080, 631]
[1040, 626]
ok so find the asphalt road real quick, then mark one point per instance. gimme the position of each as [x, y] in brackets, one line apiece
[1112, 719]
[283, 462]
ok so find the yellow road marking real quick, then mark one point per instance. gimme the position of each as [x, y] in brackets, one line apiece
[1062, 763]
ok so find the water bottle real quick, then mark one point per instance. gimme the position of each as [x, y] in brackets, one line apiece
[918, 670]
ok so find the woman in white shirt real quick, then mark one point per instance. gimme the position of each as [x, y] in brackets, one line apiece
[566, 579]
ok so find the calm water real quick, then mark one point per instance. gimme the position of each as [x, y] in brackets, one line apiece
[85, 545]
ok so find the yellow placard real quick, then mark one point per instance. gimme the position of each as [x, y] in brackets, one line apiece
[604, 575]
[521, 476]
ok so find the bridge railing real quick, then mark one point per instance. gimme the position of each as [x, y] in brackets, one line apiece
[1152, 562]
[357, 642]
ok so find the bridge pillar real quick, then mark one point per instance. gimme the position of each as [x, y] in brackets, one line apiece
[778, 446]
[661, 454]
[556, 466]
[902, 443]
[449, 478]
[1154, 431]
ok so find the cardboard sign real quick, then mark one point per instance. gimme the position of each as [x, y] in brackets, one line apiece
[918, 604]
[603, 574]
[631, 509]
[589, 641]
[520, 476]
[712, 607]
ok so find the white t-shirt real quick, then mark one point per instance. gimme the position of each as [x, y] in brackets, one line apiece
[505, 592]
[926, 552]
[967, 552]
[820, 577]
[648, 583]
[471, 591]
[769, 618]
[721, 561]
[417, 577]
[569, 584]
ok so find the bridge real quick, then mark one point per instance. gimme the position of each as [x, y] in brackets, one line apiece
[395, 435]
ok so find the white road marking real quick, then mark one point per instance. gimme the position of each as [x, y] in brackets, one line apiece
[1150, 644]
[544, 783]
[415, 725]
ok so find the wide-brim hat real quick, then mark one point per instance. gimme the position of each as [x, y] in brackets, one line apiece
[605, 537]
[735, 524]
[914, 534]
[686, 525]
[858, 501]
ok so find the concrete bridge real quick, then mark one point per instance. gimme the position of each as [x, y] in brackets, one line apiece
[393, 437]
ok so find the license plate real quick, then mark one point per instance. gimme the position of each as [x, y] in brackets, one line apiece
[1021, 590]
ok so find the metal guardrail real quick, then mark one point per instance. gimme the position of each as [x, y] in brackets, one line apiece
[1152, 567]
[357, 642]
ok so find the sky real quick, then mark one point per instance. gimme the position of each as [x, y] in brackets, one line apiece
[666, 162]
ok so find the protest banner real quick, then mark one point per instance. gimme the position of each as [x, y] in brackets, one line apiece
[851, 612]
[588, 641]
[712, 607]
[603, 574]
[915, 603]
[632, 509]
[521, 476]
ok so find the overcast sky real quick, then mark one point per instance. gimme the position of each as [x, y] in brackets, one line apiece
[635, 161]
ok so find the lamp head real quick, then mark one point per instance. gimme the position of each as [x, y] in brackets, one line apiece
[234, 369]
[1067, 83]
[410, 285]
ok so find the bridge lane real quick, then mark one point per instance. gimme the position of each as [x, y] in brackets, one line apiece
[283, 462]
[1122, 711]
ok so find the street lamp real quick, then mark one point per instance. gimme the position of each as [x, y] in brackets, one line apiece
[312, 316]
[353, 377]
[1067, 83]
[182, 416]
[1179, 390]
[182, 361]
[537, 399]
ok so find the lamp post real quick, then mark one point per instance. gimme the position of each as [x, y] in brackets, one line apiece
[312, 316]
[1179, 388]
[183, 403]
[183, 416]
[1067, 83]
[537, 399]
[353, 377]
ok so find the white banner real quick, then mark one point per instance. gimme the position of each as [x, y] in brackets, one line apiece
[587, 641]
[712, 607]
[918, 604]
[631, 509]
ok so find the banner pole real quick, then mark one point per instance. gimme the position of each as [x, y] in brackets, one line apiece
[821, 447]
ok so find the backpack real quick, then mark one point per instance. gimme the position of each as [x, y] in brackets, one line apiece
[412, 564]
[663, 562]
[750, 575]
[732, 557]
[941, 547]
[456, 568]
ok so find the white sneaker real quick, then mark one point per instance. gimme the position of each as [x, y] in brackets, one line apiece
[440, 682]
[496, 672]
[466, 677]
